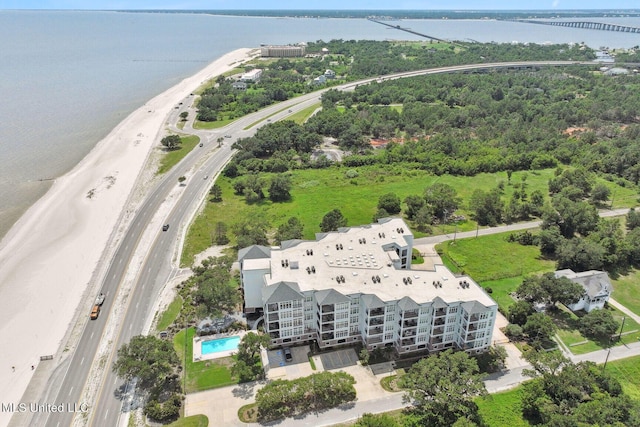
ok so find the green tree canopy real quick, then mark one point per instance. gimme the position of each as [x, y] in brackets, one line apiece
[149, 359]
[443, 386]
[443, 200]
[598, 324]
[390, 202]
[332, 221]
[290, 230]
[172, 142]
[279, 190]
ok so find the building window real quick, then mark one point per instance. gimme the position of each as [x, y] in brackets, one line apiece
[342, 315]
[448, 337]
[390, 317]
[482, 325]
[389, 327]
[285, 305]
[342, 334]
[388, 336]
[342, 325]
[391, 309]
[450, 328]
[453, 310]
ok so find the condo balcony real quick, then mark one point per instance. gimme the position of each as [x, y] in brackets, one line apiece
[410, 324]
[376, 312]
[274, 326]
[376, 321]
[374, 340]
[435, 340]
[438, 331]
[327, 336]
[328, 308]
[472, 327]
[439, 322]
[327, 318]
[274, 335]
[328, 327]
[408, 333]
[273, 317]
[410, 314]
[440, 312]
[471, 337]
[375, 331]
[408, 341]
[272, 307]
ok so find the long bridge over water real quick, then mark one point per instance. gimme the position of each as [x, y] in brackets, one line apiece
[587, 25]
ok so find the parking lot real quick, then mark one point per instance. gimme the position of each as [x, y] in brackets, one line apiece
[339, 359]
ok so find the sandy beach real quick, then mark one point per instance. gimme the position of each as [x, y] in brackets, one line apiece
[51, 259]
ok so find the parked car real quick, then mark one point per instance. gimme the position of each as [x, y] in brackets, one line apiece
[287, 354]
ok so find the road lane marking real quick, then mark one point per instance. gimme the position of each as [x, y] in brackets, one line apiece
[82, 361]
[91, 335]
[70, 390]
[105, 414]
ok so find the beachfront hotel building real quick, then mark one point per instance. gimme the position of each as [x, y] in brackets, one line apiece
[356, 285]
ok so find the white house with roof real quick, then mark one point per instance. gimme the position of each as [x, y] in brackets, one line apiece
[252, 76]
[356, 285]
[597, 287]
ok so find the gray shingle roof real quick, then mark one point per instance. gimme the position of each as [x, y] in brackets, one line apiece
[254, 252]
[372, 301]
[473, 307]
[281, 291]
[406, 303]
[330, 296]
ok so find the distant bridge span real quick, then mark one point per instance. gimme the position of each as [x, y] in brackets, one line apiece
[587, 25]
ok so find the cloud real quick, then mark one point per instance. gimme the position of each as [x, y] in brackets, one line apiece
[555, 4]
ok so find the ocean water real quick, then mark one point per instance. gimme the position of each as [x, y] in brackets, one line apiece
[68, 77]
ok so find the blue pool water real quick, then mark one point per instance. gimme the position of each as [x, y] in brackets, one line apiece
[222, 344]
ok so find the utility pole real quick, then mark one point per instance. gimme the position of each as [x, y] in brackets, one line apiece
[621, 326]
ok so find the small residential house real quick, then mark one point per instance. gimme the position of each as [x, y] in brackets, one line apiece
[320, 80]
[597, 288]
[330, 74]
[239, 85]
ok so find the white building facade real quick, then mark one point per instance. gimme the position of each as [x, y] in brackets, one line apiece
[356, 285]
[597, 288]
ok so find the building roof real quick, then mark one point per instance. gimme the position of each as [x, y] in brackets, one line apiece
[407, 303]
[595, 283]
[254, 252]
[281, 291]
[472, 307]
[362, 260]
[330, 296]
[372, 301]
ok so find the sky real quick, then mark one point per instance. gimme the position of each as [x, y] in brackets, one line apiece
[322, 4]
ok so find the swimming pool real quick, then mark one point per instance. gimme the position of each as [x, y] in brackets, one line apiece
[222, 344]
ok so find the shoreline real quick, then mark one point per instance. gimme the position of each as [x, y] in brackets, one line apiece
[49, 257]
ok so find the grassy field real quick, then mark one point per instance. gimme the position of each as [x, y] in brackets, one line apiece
[627, 371]
[173, 157]
[301, 116]
[193, 421]
[211, 125]
[170, 314]
[203, 375]
[626, 290]
[316, 192]
[491, 258]
[502, 409]
[501, 290]
[570, 335]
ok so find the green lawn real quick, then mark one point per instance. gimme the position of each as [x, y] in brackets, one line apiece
[491, 258]
[193, 421]
[626, 290]
[171, 158]
[212, 125]
[170, 314]
[570, 335]
[502, 409]
[627, 371]
[203, 375]
[316, 192]
[501, 290]
[301, 116]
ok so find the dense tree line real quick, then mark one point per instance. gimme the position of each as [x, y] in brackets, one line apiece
[284, 398]
[566, 394]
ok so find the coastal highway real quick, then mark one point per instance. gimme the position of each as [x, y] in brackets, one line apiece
[71, 377]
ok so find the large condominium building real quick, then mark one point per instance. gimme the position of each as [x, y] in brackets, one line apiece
[282, 51]
[356, 285]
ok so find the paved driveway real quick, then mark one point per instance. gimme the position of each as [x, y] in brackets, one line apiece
[339, 359]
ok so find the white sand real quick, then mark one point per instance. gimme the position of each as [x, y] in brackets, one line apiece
[50, 259]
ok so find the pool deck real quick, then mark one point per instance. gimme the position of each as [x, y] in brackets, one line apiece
[197, 346]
